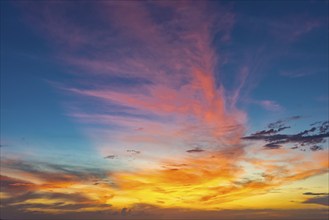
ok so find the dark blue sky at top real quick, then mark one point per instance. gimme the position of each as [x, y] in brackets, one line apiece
[31, 112]
[290, 70]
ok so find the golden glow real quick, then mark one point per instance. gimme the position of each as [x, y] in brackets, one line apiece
[208, 182]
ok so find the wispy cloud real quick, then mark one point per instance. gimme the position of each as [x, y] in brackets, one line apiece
[269, 105]
[164, 73]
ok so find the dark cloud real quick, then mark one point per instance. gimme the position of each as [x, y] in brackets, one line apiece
[310, 138]
[16, 204]
[276, 127]
[134, 151]
[112, 156]
[62, 206]
[273, 146]
[321, 200]
[176, 165]
[173, 169]
[281, 123]
[265, 132]
[79, 206]
[10, 184]
[315, 194]
[72, 197]
[55, 172]
[296, 117]
[315, 148]
[12, 207]
[195, 150]
[277, 124]
[271, 131]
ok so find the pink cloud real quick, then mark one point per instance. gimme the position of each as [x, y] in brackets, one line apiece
[177, 58]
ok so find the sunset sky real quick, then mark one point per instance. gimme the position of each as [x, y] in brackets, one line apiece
[164, 110]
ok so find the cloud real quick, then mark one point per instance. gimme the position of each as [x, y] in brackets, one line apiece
[321, 200]
[301, 72]
[314, 194]
[133, 151]
[13, 185]
[53, 188]
[281, 123]
[48, 175]
[270, 131]
[43, 202]
[273, 146]
[112, 156]
[308, 138]
[288, 28]
[195, 150]
[270, 105]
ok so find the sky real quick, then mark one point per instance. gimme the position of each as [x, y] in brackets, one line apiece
[164, 110]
